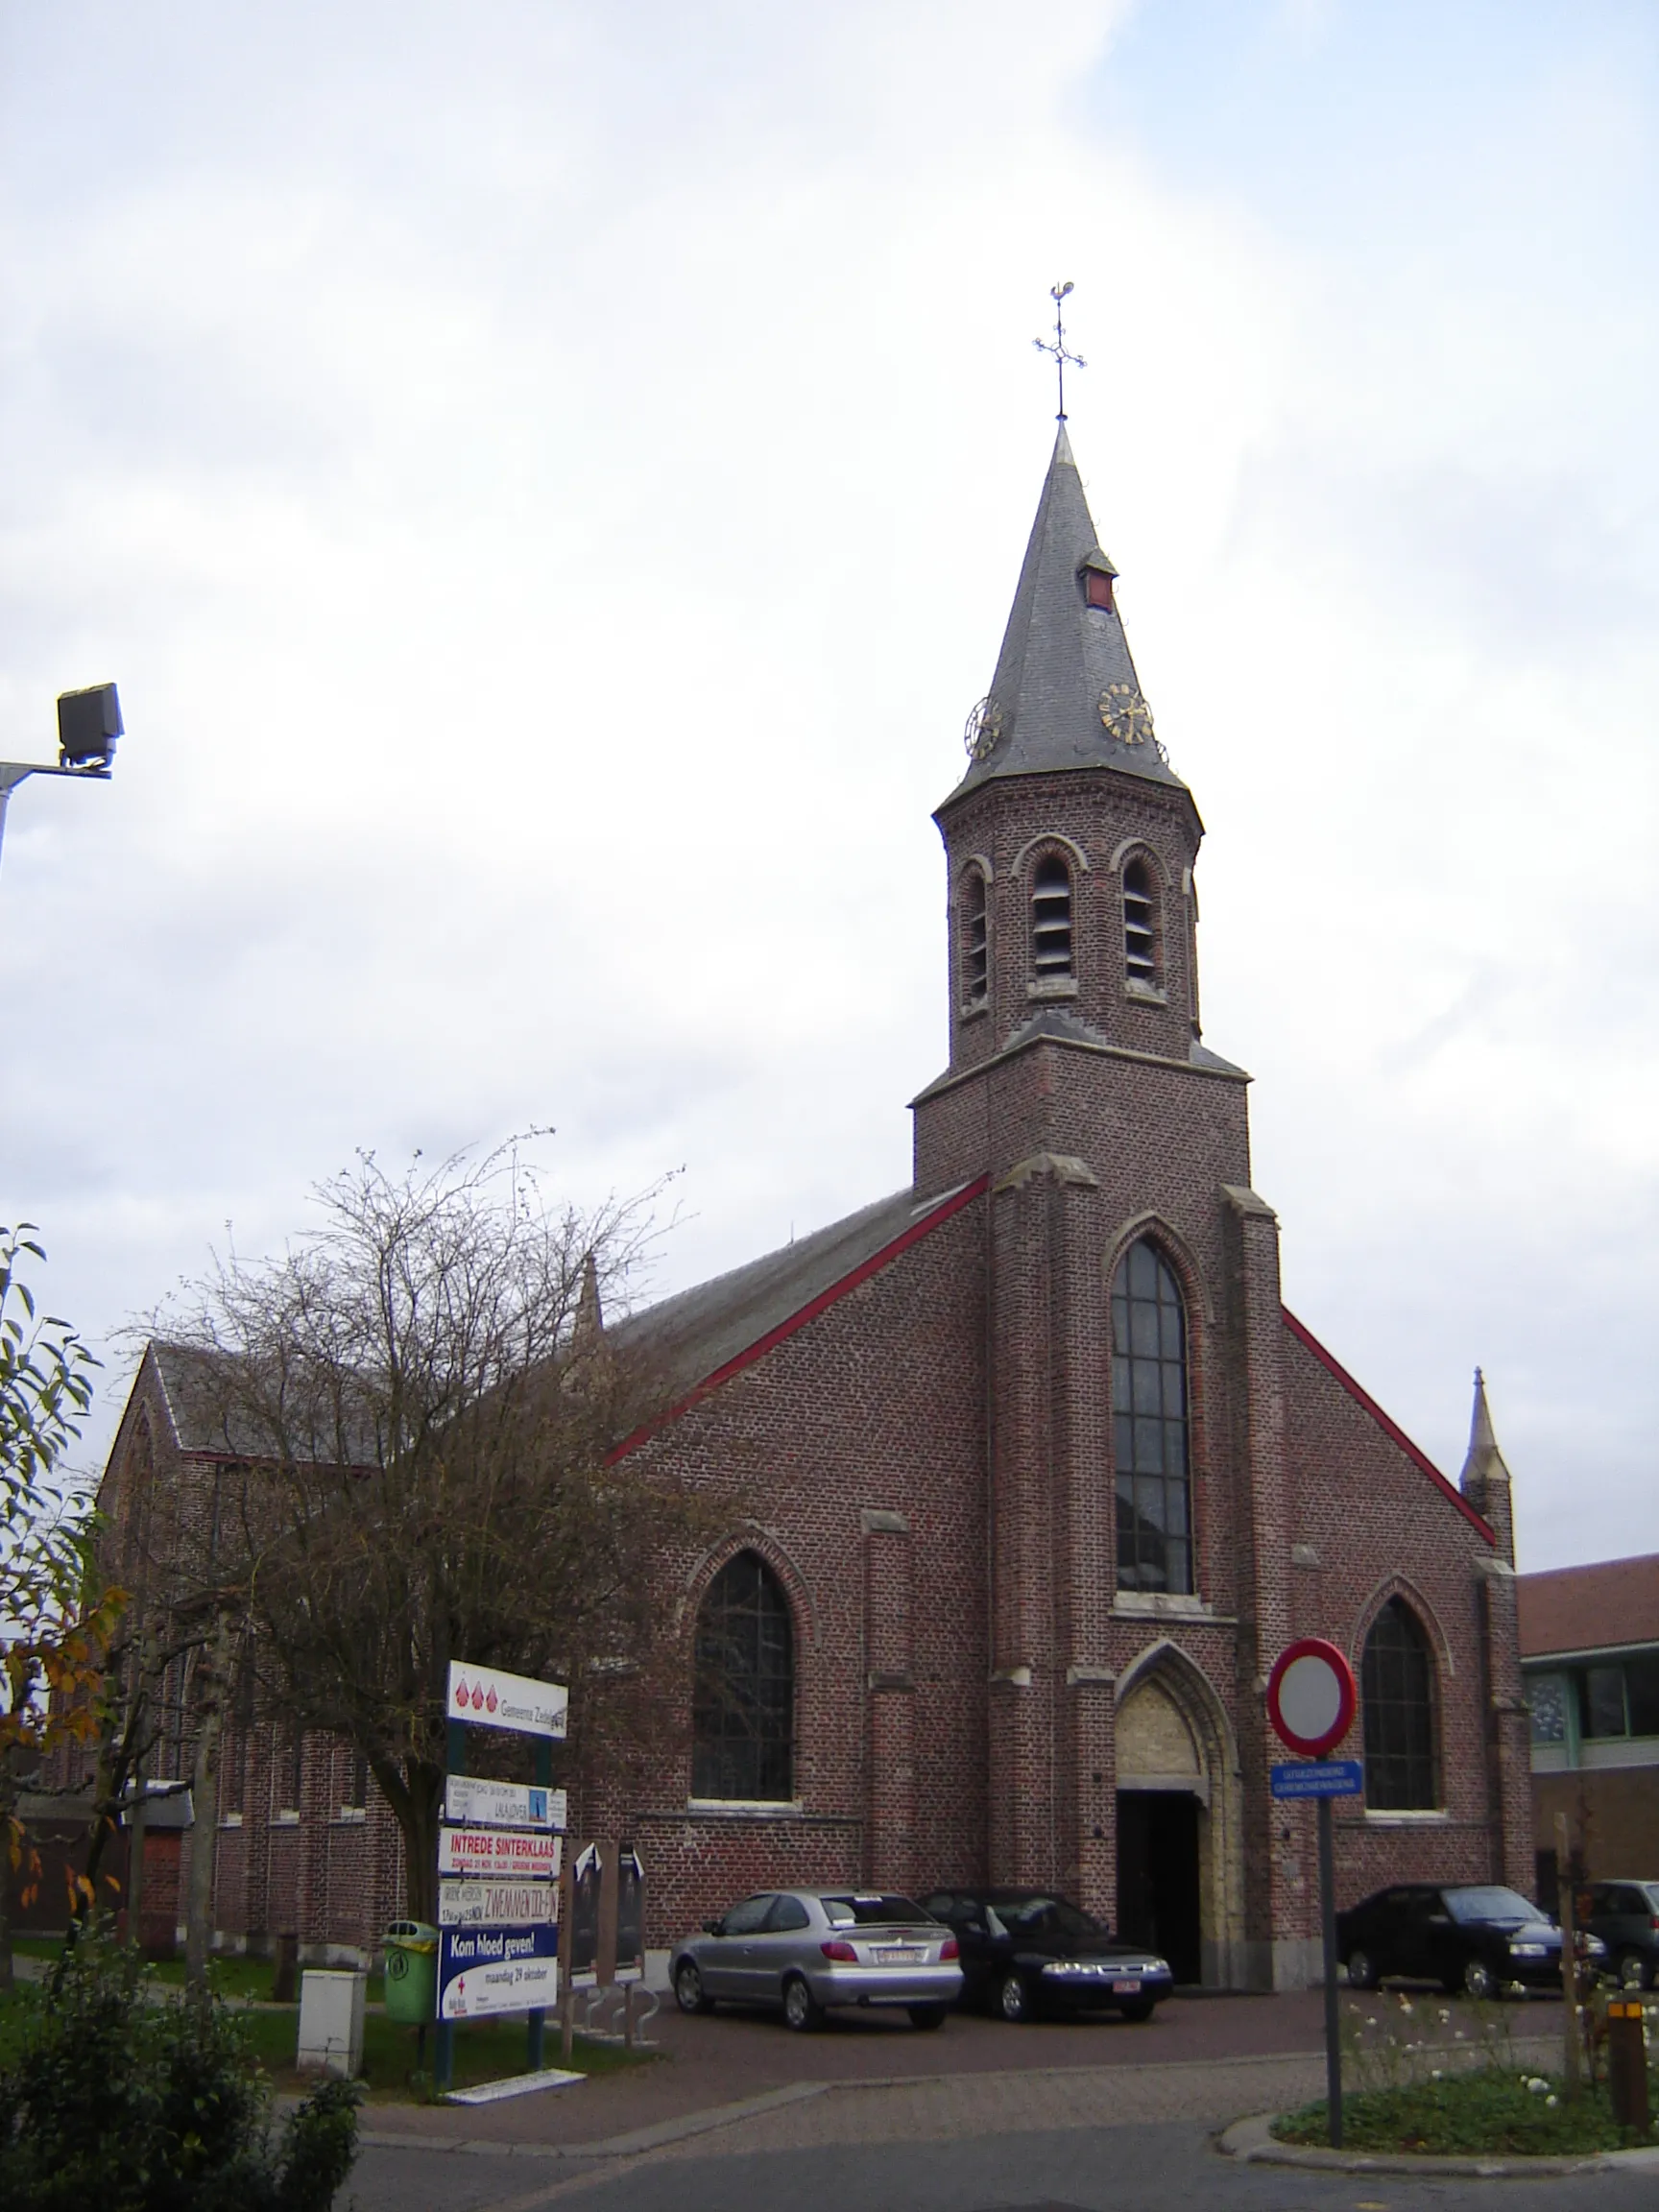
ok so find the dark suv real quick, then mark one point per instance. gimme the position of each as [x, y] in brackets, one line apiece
[1626, 1916]
[1472, 1935]
[1028, 1951]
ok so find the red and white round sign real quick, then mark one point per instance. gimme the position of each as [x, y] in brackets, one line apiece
[1311, 1696]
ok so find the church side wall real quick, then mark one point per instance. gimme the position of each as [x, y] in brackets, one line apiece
[851, 1457]
[1375, 1526]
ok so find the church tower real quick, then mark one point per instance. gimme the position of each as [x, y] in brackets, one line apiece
[1136, 1486]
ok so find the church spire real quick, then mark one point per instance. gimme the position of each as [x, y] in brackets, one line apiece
[1065, 694]
[1485, 1478]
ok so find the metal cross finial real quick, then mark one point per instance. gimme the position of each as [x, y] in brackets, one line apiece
[1056, 346]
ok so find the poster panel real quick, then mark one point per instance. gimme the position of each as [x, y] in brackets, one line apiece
[468, 1798]
[497, 1904]
[483, 1970]
[586, 1876]
[531, 1854]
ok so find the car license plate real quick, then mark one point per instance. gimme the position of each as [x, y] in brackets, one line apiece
[897, 1954]
[1125, 1988]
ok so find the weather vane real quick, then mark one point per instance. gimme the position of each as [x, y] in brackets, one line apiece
[1056, 346]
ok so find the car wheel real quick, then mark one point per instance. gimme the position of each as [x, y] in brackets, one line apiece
[802, 2011]
[927, 2015]
[1137, 2008]
[1014, 1998]
[1361, 1970]
[1632, 1970]
[1479, 1980]
[688, 1991]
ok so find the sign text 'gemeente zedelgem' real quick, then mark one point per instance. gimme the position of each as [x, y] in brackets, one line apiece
[488, 1698]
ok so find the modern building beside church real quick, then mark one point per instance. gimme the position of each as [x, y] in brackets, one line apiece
[1032, 1474]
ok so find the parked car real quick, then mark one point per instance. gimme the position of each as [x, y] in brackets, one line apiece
[1625, 1916]
[1473, 1936]
[1028, 1951]
[805, 1950]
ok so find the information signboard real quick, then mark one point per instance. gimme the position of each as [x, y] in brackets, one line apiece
[531, 1854]
[483, 1970]
[502, 1804]
[1319, 1778]
[487, 1698]
[497, 1904]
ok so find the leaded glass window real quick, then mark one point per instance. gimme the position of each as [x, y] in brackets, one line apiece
[1149, 1425]
[743, 1704]
[1397, 1699]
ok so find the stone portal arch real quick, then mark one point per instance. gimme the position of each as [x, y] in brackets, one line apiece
[1174, 1740]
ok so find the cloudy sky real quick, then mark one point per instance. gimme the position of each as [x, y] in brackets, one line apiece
[549, 479]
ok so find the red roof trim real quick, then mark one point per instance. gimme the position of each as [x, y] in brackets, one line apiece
[808, 1313]
[1389, 1428]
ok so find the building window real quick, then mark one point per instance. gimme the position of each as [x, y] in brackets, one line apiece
[1620, 1698]
[1140, 924]
[1397, 1696]
[1149, 1425]
[1547, 1701]
[1052, 918]
[290, 1769]
[973, 941]
[743, 1708]
[357, 1780]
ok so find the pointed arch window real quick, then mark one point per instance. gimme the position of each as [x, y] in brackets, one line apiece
[1149, 1425]
[1050, 918]
[1140, 923]
[973, 944]
[1397, 1700]
[743, 1698]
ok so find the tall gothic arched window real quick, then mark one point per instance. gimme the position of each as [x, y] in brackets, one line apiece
[1050, 918]
[973, 949]
[1149, 1425]
[743, 1698]
[1397, 1700]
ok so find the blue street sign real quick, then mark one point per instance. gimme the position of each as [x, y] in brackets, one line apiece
[1319, 1778]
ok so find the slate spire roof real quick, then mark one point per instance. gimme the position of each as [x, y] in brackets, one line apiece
[1065, 694]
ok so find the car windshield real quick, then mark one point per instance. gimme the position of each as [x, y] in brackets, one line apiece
[872, 1913]
[1040, 1915]
[1467, 1904]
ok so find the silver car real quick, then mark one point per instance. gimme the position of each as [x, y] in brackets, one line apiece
[804, 1950]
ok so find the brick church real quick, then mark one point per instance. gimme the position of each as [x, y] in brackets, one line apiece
[1033, 1472]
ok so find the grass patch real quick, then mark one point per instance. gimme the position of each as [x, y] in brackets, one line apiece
[1486, 2113]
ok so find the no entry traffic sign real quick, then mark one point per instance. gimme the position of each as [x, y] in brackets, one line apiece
[1311, 1696]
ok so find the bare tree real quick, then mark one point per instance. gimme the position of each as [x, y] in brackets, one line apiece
[422, 1406]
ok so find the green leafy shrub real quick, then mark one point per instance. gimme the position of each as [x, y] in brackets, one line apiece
[122, 2102]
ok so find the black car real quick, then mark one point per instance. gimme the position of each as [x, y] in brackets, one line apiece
[1625, 1916]
[1473, 1936]
[1028, 1951]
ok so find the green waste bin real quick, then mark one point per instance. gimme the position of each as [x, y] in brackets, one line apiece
[411, 1972]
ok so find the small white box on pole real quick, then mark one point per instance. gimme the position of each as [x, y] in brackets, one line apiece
[331, 2023]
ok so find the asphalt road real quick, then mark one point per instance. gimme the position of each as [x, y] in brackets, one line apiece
[1167, 2166]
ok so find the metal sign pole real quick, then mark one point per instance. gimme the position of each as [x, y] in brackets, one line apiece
[1328, 1930]
[537, 2017]
[443, 2052]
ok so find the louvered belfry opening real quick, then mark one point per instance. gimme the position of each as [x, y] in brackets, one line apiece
[1140, 924]
[975, 941]
[1051, 918]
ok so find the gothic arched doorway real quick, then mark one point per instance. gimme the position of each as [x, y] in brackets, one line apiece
[1180, 1882]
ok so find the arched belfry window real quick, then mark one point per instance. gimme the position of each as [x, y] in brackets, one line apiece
[1397, 1702]
[1149, 1425]
[743, 1699]
[1050, 918]
[973, 949]
[1140, 923]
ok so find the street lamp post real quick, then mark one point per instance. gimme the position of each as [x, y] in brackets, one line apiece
[88, 724]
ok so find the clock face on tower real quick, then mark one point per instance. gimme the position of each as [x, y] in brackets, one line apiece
[1126, 717]
[984, 726]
